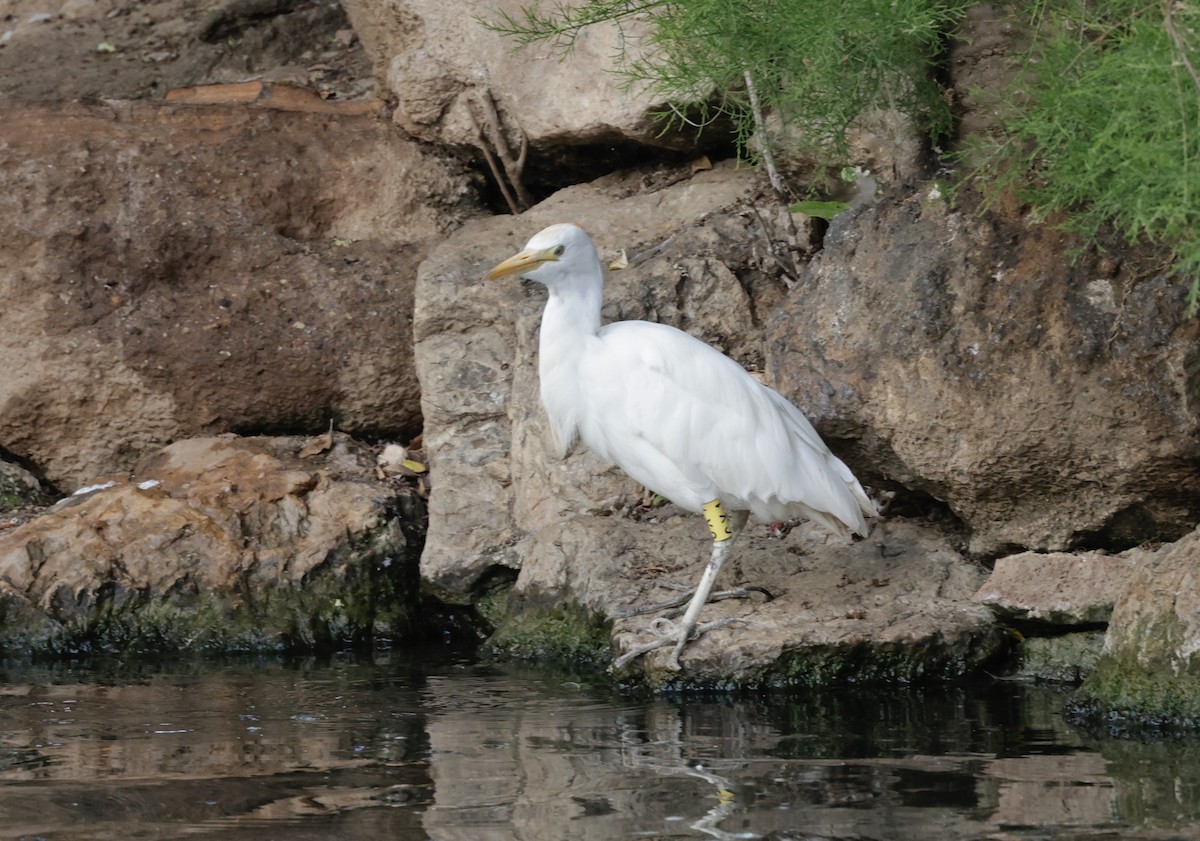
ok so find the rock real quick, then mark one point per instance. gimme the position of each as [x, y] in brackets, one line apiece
[279, 96]
[21, 494]
[572, 542]
[1149, 672]
[892, 608]
[216, 544]
[1057, 588]
[1047, 401]
[17, 486]
[460, 84]
[145, 304]
[1069, 658]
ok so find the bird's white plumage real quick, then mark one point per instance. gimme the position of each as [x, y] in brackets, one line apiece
[677, 415]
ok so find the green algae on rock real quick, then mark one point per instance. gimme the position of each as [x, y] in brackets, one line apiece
[566, 636]
[1149, 673]
[1068, 658]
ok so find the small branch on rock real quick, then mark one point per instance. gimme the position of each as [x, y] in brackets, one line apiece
[787, 265]
[760, 128]
[482, 143]
[786, 262]
[669, 608]
[492, 142]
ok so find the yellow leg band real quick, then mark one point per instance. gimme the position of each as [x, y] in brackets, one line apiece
[718, 520]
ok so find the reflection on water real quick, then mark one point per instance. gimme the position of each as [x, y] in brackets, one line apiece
[439, 747]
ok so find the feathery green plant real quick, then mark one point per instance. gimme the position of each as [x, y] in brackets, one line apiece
[1105, 125]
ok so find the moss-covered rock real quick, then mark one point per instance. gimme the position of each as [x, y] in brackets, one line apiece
[1128, 698]
[365, 597]
[1149, 673]
[866, 662]
[1063, 659]
[568, 637]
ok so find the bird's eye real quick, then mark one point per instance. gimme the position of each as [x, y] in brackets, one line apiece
[559, 249]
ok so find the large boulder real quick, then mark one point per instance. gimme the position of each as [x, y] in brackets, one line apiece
[892, 608]
[171, 271]
[1044, 393]
[217, 544]
[576, 536]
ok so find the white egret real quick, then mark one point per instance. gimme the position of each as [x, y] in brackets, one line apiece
[677, 415]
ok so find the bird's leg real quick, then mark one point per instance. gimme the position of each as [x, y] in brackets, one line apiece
[722, 534]
[723, 529]
[683, 632]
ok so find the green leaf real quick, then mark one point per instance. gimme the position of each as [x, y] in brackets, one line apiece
[820, 209]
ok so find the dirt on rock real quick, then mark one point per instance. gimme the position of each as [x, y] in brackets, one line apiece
[110, 49]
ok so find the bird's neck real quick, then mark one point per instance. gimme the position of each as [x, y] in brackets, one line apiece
[572, 313]
[569, 327]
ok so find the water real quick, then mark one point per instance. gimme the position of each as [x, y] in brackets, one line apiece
[436, 746]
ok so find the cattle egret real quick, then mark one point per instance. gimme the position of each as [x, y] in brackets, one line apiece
[678, 416]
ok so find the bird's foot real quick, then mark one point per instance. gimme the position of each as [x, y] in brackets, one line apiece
[674, 607]
[671, 633]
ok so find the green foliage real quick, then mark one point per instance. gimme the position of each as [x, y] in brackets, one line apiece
[817, 69]
[1105, 126]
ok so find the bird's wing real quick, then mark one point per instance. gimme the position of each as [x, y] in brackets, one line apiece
[690, 423]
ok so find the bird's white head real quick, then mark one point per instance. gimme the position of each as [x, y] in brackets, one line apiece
[555, 256]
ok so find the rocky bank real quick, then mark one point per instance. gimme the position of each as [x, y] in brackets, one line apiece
[305, 246]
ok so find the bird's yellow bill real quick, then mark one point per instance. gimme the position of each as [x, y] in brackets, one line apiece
[526, 261]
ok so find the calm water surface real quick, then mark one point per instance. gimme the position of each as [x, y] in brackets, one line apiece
[437, 746]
